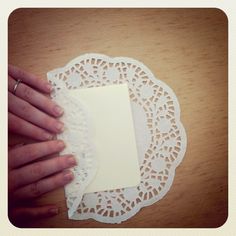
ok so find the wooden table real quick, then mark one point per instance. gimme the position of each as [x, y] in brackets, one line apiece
[185, 48]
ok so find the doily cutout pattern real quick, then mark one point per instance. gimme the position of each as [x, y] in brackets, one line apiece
[77, 127]
[160, 135]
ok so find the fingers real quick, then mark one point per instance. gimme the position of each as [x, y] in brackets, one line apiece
[22, 214]
[28, 153]
[20, 126]
[35, 98]
[38, 170]
[45, 185]
[29, 79]
[16, 140]
[29, 113]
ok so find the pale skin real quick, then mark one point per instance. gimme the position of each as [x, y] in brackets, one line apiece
[33, 114]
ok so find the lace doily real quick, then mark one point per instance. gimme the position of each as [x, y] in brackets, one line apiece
[160, 136]
[77, 127]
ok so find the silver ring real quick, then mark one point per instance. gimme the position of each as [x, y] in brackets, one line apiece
[16, 85]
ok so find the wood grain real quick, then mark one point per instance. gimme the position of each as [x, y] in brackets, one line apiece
[185, 48]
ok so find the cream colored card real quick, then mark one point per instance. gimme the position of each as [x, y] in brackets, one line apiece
[113, 135]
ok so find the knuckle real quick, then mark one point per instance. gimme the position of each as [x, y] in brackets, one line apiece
[57, 181]
[26, 108]
[20, 126]
[46, 120]
[49, 146]
[32, 151]
[60, 163]
[27, 92]
[52, 146]
[35, 190]
[50, 122]
[39, 133]
[37, 170]
[20, 73]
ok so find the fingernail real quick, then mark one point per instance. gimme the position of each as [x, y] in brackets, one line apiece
[49, 87]
[53, 211]
[58, 110]
[47, 136]
[61, 144]
[60, 126]
[71, 161]
[68, 176]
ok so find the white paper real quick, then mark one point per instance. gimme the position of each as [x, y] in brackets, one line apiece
[160, 135]
[113, 136]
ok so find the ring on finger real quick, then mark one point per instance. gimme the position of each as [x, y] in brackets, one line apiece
[16, 85]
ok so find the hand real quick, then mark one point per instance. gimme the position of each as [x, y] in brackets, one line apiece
[30, 112]
[29, 177]
[33, 114]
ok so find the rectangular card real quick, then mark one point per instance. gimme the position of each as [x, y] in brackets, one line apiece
[113, 136]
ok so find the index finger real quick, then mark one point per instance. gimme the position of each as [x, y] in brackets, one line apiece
[25, 154]
[35, 98]
[29, 79]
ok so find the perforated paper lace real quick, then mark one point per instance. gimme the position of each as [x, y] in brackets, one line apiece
[160, 136]
[78, 142]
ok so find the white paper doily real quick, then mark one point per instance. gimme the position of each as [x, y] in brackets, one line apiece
[160, 135]
[77, 137]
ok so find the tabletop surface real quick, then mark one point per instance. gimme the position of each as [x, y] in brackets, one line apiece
[185, 48]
